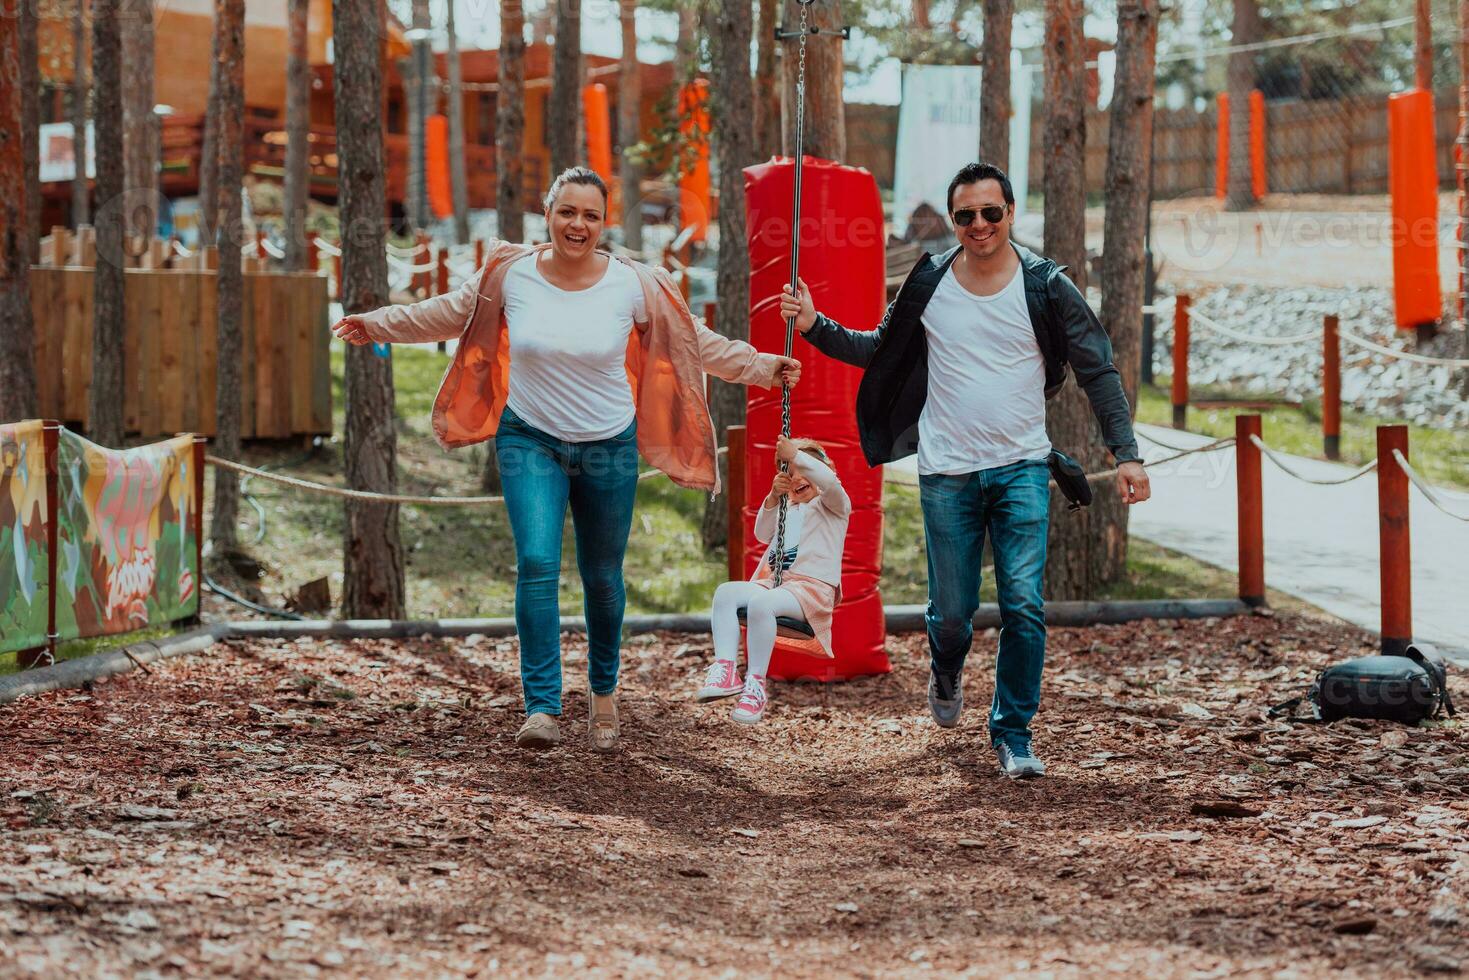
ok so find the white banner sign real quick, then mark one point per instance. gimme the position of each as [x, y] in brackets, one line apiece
[58, 157]
[938, 133]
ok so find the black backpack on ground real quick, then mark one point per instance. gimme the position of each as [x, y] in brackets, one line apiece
[1406, 688]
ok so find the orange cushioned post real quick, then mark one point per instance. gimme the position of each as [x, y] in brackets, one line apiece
[1221, 147]
[1412, 181]
[694, 185]
[436, 158]
[1257, 143]
[599, 130]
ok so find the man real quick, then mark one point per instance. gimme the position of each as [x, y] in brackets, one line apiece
[959, 370]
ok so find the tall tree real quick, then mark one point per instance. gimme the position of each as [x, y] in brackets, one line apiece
[141, 135]
[298, 134]
[458, 168]
[563, 113]
[372, 548]
[17, 333]
[733, 108]
[510, 123]
[418, 77]
[767, 95]
[104, 394]
[1079, 560]
[1246, 29]
[81, 194]
[826, 130]
[994, 83]
[209, 152]
[229, 51]
[629, 127]
[1461, 165]
[30, 107]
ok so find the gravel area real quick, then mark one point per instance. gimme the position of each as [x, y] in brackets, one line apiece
[1371, 382]
[359, 809]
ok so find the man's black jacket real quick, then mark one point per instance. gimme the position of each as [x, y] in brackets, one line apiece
[895, 356]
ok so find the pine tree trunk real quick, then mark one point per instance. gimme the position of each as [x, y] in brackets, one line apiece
[510, 123]
[209, 152]
[229, 47]
[372, 549]
[767, 96]
[1461, 165]
[629, 128]
[81, 193]
[1240, 194]
[104, 396]
[17, 332]
[826, 130]
[733, 108]
[994, 83]
[30, 108]
[1086, 548]
[458, 168]
[563, 113]
[140, 124]
[417, 72]
[298, 136]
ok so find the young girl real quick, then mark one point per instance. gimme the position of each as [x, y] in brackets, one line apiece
[811, 578]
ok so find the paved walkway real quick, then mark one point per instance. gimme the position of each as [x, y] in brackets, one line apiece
[1320, 541]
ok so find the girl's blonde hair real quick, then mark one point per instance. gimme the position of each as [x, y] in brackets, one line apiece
[814, 448]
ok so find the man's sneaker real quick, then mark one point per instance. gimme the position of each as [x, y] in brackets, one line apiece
[751, 706]
[1017, 761]
[722, 681]
[945, 698]
[539, 732]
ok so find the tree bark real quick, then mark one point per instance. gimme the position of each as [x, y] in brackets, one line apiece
[229, 47]
[458, 168]
[563, 112]
[510, 123]
[81, 192]
[417, 74]
[209, 152]
[1461, 166]
[826, 130]
[1240, 193]
[17, 332]
[104, 396]
[994, 83]
[372, 549]
[767, 96]
[733, 108]
[629, 127]
[140, 125]
[298, 135]
[30, 108]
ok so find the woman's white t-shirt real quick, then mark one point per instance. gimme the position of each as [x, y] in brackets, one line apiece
[568, 351]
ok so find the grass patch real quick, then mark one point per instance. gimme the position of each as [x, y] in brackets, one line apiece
[1440, 455]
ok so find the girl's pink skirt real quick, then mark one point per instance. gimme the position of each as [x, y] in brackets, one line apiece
[817, 599]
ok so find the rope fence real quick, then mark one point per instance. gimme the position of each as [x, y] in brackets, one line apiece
[1275, 458]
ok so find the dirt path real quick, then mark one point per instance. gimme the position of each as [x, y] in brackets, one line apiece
[359, 809]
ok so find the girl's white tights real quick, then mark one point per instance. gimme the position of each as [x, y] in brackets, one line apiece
[761, 606]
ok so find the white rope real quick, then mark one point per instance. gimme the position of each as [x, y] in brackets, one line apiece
[406, 253]
[1401, 354]
[181, 251]
[271, 250]
[1423, 486]
[411, 269]
[1209, 323]
[328, 247]
[1208, 448]
[1362, 470]
[1179, 449]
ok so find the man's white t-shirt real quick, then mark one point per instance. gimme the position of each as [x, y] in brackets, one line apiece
[568, 351]
[986, 402]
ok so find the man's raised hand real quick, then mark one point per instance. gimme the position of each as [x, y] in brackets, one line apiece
[799, 307]
[1132, 483]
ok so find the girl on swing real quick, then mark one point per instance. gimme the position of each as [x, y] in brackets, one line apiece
[818, 510]
[576, 363]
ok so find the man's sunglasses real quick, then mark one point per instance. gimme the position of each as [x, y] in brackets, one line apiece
[994, 214]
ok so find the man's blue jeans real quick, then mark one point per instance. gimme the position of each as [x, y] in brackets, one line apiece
[1010, 503]
[541, 474]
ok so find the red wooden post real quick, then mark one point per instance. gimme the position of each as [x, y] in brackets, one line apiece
[1395, 553]
[710, 310]
[1331, 387]
[200, 444]
[337, 270]
[1251, 511]
[443, 271]
[1180, 361]
[421, 280]
[259, 243]
[479, 254]
[313, 256]
[735, 497]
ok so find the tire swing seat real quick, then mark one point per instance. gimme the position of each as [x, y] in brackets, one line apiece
[793, 636]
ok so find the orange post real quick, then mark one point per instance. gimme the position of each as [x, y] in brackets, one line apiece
[421, 281]
[313, 255]
[599, 129]
[1221, 146]
[1412, 182]
[1257, 143]
[735, 496]
[1330, 387]
[479, 254]
[443, 271]
[694, 186]
[259, 244]
[1180, 361]
[1251, 511]
[1395, 553]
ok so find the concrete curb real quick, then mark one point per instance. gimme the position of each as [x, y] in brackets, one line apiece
[900, 619]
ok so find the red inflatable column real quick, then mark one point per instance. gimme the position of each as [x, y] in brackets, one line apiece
[843, 262]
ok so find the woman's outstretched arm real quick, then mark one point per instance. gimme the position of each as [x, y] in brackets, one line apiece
[439, 318]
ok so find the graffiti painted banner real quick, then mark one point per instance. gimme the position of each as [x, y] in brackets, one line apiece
[126, 549]
[24, 599]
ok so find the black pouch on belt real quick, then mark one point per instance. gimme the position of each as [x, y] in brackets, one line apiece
[1070, 477]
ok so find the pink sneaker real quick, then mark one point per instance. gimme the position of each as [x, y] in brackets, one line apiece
[751, 706]
[722, 681]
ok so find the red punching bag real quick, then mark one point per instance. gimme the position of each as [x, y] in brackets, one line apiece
[843, 262]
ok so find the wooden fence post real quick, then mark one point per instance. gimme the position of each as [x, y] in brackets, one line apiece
[337, 270]
[51, 442]
[442, 286]
[200, 444]
[1180, 361]
[1330, 387]
[735, 496]
[1251, 511]
[1394, 550]
[313, 254]
[479, 254]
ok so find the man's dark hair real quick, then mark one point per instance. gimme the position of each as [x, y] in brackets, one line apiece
[973, 173]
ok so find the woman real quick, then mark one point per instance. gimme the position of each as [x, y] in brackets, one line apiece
[574, 362]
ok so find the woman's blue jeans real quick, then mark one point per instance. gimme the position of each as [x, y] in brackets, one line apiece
[1010, 503]
[541, 475]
